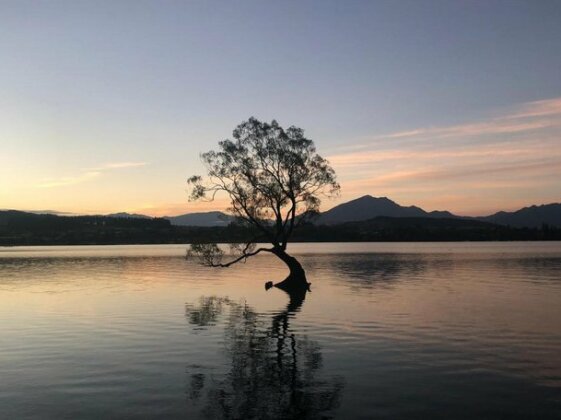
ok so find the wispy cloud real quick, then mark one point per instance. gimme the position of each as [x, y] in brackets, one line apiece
[87, 174]
[503, 125]
[479, 151]
[448, 173]
[514, 154]
[525, 118]
[119, 165]
[68, 180]
[542, 108]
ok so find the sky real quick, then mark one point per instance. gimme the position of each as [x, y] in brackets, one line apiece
[105, 106]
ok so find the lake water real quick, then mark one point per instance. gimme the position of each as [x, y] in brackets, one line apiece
[448, 330]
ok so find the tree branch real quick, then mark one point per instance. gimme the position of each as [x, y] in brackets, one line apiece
[244, 256]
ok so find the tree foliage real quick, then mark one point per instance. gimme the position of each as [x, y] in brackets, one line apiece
[274, 179]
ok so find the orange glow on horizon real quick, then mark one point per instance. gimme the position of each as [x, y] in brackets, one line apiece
[499, 163]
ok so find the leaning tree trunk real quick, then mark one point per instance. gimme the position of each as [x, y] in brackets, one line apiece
[296, 280]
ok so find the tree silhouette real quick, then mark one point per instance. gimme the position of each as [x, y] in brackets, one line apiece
[273, 371]
[274, 179]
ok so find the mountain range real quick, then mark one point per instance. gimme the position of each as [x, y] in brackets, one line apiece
[206, 219]
[533, 216]
[368, 207]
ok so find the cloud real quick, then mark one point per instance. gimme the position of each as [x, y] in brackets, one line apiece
[69, 180]
[504, 125]
[497, 160]
[445, 174]
[87, 174]
[369, 157]
[119, 165]
[541, 108]
[526, 118]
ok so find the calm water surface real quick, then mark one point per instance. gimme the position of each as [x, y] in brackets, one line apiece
[396, 331]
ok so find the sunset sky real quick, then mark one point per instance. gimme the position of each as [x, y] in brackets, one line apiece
[106, 106]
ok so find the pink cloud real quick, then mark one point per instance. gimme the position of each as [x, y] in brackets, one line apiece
[501, 159]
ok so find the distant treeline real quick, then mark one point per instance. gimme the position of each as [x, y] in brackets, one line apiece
[21, 228]
[412, 229]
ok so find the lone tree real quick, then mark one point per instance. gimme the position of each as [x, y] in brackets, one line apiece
[274, 179]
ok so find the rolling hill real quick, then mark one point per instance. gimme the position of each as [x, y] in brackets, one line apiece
[211, 218]
[125, 215]
[206, 219]
[533, 216]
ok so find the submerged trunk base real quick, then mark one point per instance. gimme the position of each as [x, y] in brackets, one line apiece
[294, 284]
[296, 281]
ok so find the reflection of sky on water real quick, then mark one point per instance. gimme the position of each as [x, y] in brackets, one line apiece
[445, 333]
[271, 371]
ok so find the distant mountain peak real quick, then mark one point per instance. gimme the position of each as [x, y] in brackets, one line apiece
[129, 215]
[210, 218]
[530, 216]
[368, 207]
[371, 197]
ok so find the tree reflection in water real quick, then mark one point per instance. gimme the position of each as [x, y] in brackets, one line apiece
[273, 372]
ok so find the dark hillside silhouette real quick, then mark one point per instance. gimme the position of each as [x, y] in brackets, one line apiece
[211, 218]
[396, 229]
[129, 215]
[368, 207]
[533, 216]
[20, 228]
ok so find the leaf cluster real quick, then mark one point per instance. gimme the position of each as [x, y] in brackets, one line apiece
[273, 177]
